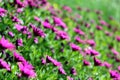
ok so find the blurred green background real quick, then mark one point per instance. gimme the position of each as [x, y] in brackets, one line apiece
[109, 7]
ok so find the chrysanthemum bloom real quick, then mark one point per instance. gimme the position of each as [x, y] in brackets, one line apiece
[107, 65]
[55, 62]
[99, 27]
[38, 32]
[97, 62]
[61, 70]
[86, 63]
[18, 57]
[79, 31]
[118, 38]
[67, 8]
[73, 71]
[59, 22]
[2, 12]
[62, 35]
[26, 70]
[35, 40]
[4, 65]
[11, 34]
[5, 44]
[75, 47]
[91, 42]
[78, 39]
[69, 78]
[19, 42]
[37, 19]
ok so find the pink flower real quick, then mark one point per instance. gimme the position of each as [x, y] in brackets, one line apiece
[61, 70]
[5, 44]
[18, 57]
[36, 40]
[19, 42]
[97, 62]
[55, 62]
[37, 19]
[18, 27]
[91, 42]
[118, 38]
[37, 31]
[103, 23]
[69, 78]
[4, 64]
[73, 71]
[2, 12]
[114, 51]
[99, 27]
[62, 35]
[75, 47]
[43, 61]
[78, 39]
[119, 68]
[86, 63]
[59, 22]
[107, 65]
[10, 34]
[114, 74]
[47, 25]
[67, 8]
[26, 71]
[79, 31]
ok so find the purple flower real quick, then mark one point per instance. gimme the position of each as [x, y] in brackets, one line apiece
[114, 51]
[61, 70]
[20, 3]
[103, 23]
[78, 39]
[19, 42]
[43, 61]
[37, 19]
[62, 35]
[19, 10]
[67, 8]
[69, 78]
[15, 19]
[55, 62]
[21, 28]
[86, 63]
[36, 40]
[114, 74]
[107, 65]
[73, 71]
[47, 25]
[10, 34]
[59, 22]
[26, 70]
[91, 52]
[2, 12]
[118, 38]
[18, 57]
[91, 42]
[97, 62]
[5, 44]
[79, 31]
[4, 64]
[75, 47]
[119, 68]
[99, 27]
[18, 27]
[108, 33]
[87, 25]
[38, 32]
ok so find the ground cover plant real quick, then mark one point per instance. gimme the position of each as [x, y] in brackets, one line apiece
[58, 40]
